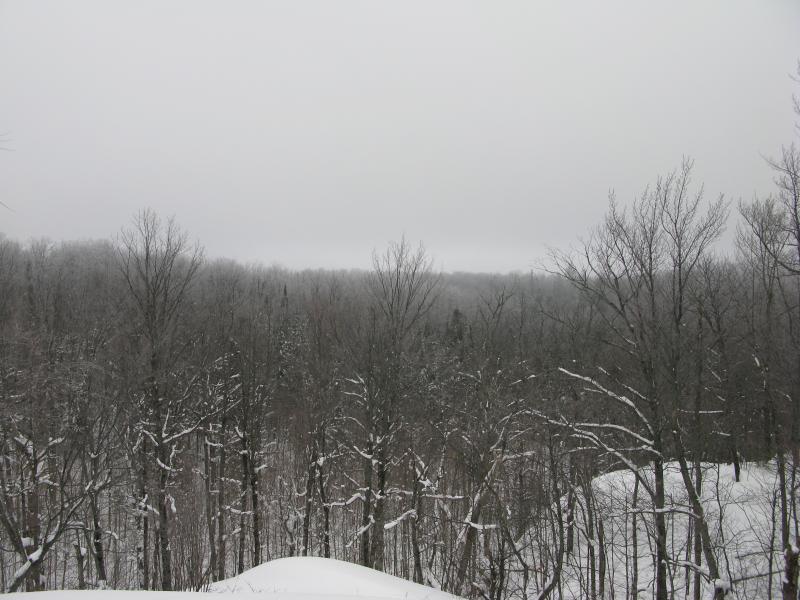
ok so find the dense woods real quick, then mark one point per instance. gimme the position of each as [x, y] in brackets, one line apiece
[169, 421]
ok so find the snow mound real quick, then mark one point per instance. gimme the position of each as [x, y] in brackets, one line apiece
[300, 578]
[117, 595]
[312, 577]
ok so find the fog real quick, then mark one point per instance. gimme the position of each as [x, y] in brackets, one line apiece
[309, 133]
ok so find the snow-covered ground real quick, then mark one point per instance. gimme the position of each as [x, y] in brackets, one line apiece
[300, 578]
[325, 578]
[741, 522]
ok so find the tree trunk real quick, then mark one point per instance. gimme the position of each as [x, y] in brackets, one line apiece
[33, 582]
[378, 538]
[210, 521]
[165, 552]
[570, 520]
[326, 513]
[474, 517]
[142, 521]
[256, 519]
[366, 514]
[701, 527]
[698, 540]
[79, 559]
[221, 508]
[601, 551]
[661, 591]
[790, 572]
[635, 542]
[591, 541]
[97, 531]
[415, 550]
[309, 493]
[243, 487]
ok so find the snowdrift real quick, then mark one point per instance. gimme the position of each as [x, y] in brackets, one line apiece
[122, 595]
[310, 577]
[302, 578]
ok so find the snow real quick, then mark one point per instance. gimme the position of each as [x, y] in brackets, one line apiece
[307, 578]
[400, 519]
[35, 555]
[118, 595]
[740, 522]
[299, 578]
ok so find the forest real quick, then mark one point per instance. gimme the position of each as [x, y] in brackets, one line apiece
[168, 421]
[624, 420]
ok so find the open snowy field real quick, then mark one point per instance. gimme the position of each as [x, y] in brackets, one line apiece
[299, 578]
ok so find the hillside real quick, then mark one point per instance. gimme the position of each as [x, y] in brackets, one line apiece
[741, 521]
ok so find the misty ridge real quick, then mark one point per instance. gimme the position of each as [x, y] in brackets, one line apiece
[619, 421]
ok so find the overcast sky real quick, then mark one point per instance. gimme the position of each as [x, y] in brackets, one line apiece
[309, 133]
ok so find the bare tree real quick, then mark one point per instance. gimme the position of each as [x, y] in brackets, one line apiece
[638, 268]
[158, 265]
[402, 288]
